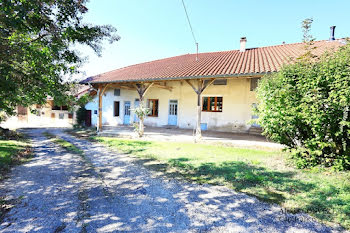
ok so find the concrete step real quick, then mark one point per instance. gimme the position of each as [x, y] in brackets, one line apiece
[255, 130]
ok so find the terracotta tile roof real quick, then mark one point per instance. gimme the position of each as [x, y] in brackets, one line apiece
[254, 61]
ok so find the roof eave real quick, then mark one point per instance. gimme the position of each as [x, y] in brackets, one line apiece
[183, 78]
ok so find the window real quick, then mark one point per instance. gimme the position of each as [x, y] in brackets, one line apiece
[212, 104]
[95, 111]
[116, 108]
[217, 82]
[153, 106]
[21, 110]
[55, 107]
[254, 83]
[70, 115]
[53, 115]
[116, 92]
[61, 116]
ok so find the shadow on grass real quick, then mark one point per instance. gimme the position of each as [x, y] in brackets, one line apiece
[12, 154]
[244, 177]
[321, 198]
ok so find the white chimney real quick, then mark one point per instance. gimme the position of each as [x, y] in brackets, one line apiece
[243, 42]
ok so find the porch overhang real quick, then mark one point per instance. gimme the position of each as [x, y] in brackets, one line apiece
[147, 80]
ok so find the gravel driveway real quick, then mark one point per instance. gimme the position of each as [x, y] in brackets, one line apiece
[103, 191]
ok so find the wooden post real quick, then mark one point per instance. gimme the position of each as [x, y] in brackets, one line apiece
[99, 125]
[199, 90]
[142, 89]
[199, 111]
[101, 91]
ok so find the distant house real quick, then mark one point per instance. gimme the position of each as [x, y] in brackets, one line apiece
[221, 83]
[47, 115]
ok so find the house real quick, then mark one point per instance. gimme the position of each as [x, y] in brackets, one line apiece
[217, 87]
[47, 115]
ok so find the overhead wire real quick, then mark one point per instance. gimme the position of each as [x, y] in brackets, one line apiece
[189, 23]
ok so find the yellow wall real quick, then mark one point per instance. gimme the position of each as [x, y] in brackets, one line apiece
[237, 105]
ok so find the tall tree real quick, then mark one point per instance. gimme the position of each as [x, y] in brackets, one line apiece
[37, 39]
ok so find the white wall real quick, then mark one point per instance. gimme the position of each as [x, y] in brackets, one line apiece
[237, 105]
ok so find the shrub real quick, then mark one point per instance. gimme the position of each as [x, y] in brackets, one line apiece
[306, 105]
[81, 115]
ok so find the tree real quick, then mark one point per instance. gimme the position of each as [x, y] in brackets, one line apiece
[36, 48]
[141, 112]
[306, 107]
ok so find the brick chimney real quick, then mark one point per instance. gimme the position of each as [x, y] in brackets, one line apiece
[243, 43]
[332, 33]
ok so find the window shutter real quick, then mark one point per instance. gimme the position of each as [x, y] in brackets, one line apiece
[116, 92]
[254, 83]
[116, 108]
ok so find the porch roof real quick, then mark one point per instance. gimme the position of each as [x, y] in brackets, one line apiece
[233, 63]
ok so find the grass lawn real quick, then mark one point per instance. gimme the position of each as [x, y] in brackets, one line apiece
[12, 152]
[321, 193]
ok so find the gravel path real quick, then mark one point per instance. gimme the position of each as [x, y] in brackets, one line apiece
[103, 191]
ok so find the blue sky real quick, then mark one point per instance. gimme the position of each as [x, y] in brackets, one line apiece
[154, 29]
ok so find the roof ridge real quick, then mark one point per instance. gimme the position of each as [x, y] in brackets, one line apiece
[192, 54]
[257, 60]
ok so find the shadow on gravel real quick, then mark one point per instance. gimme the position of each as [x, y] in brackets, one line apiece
[141, 202]
[42, 191]
[132, 199]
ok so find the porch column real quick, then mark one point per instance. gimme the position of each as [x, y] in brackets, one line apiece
[200, 87]
[101, 90]
[141, 89]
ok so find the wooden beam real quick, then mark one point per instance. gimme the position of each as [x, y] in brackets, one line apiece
[127, 87]
[163, 86]
[147, 88]
[118, 85]
[189, 83]
[208, 84]
[142, 89]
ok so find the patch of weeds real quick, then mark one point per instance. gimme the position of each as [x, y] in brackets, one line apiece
[63, 143]
[13, 152]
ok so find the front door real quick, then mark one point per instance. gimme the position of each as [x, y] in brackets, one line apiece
[88, 118]
[127, 113]
[172, 118]
[137, 103]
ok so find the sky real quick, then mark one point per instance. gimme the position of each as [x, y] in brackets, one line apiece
[155, 29]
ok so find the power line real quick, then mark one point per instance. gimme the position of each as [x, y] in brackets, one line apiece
[189, 23]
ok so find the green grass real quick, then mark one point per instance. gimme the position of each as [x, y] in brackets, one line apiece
[63, 143]
[12, 152]
[265, 174]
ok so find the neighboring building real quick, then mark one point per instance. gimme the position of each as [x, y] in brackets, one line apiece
[169, 87]
[48, 115]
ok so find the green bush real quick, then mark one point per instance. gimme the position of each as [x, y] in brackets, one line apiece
[306, 107]
[81, 115]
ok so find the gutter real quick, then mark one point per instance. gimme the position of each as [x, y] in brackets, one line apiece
[182, 78]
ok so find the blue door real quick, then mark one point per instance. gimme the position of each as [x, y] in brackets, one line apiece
[127, 113]
[172, 118]
[137, 103]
